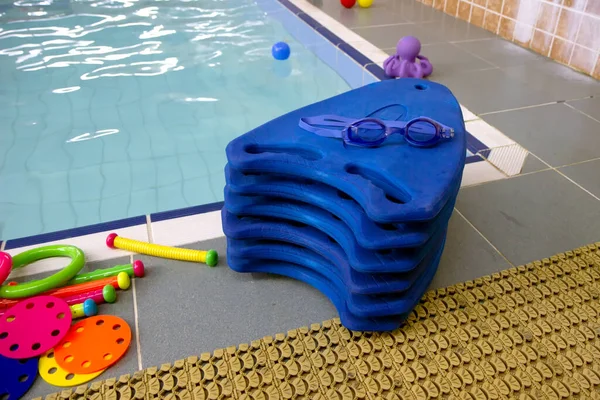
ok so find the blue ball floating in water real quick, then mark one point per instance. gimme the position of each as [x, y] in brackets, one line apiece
[280, 51]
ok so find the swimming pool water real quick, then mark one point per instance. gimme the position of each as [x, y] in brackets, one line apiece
[119, 108]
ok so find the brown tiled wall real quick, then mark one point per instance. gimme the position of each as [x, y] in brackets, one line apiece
[565, 30]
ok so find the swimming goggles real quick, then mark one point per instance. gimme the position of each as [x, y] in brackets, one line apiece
[372, 132]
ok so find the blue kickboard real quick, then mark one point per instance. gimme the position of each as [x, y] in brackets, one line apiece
[363, 305]
[393, 182]
[361, 259]
[334, 289]
[286, 219]
[257, 193]
[16, 376]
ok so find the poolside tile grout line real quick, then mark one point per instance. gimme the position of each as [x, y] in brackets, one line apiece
[522, 108]
[581, 112]
[149, 231]
[136, 321]
[578, 163]
[549, 168]
[576, 184]
[474, 55]
[483, 236]
[355, 28]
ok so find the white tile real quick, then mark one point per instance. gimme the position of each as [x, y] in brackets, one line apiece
[185, 230]
[508, 159]
[468, 115]
[480, 172]
[334, 26]
[487, 134]
[93, 246]
[378, 57]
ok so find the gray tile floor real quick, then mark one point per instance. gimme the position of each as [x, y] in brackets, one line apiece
[185, 309]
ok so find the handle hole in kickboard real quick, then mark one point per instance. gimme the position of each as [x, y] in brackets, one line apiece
[305, 181]
[298, 224]
[387, 227]
[393, 199]
[343, 195]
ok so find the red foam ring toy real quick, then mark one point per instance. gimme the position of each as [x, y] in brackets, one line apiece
[93, 344]
[72, 290]
[348, 3]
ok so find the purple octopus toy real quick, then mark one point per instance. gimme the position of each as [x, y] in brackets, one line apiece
[404, 63]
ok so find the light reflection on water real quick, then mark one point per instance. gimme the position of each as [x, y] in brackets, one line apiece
[114, 108]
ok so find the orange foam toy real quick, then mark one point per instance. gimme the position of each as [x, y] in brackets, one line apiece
[93, 344]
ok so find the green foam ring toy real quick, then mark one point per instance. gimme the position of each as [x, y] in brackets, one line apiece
[58, 279]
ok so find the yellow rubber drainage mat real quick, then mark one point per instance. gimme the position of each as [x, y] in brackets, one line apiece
[530, 332]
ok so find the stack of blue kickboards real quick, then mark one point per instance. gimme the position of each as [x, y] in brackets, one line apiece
[365, 225]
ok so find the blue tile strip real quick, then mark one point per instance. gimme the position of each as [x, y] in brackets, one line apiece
[473, 145]
[185, 212]
[473, 159]
[71, 233]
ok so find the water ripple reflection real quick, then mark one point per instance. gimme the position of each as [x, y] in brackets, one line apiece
[118, 108]
[148, 34]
